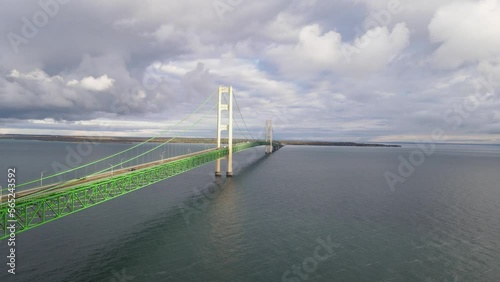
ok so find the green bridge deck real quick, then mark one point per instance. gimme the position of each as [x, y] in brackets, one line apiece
[41, 208]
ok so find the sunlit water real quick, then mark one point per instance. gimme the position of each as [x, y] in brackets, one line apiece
[267, 223]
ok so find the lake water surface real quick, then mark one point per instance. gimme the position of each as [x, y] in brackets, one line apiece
[272, 220]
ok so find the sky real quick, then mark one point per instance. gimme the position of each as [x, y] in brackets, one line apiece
[346, 70]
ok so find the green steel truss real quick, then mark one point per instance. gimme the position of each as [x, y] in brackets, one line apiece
[33, 211]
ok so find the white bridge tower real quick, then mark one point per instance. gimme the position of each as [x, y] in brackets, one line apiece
[224, 90]
[269, 136]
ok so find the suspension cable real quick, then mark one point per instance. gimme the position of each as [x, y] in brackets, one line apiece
[111, 167]
[236, 122]
[244, 123]
[119, 153]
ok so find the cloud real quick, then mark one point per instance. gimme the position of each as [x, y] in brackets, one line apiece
[312, 64]
[164, 32]
[467, 32]
[37, 95]
[326, 51]
[99, 84]
[37, 75]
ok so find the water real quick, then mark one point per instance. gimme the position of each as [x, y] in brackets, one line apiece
[270, 222]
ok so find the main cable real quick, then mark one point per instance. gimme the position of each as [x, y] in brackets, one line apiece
[119, 153]
[111, 167]
[244, 123]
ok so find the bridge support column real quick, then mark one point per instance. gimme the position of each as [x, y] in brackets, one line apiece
[269, 136]
[230, 137]
[221, 127]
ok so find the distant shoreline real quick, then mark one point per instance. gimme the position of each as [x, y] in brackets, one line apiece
[109, 139]
[339, 144]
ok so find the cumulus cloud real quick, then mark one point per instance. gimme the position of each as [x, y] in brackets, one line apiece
[37, 75]
[466, 32]
[37, 95]
[319, 51]
[99, 84]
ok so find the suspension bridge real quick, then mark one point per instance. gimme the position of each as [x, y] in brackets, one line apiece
[77, 188]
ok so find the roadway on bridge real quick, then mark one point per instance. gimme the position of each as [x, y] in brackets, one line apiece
[66, 185]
